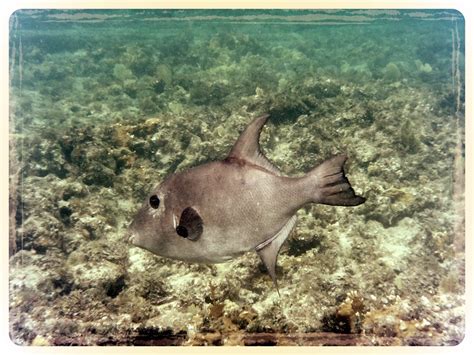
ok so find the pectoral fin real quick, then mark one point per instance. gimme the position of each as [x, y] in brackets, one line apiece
[190, 224]
[268, 250]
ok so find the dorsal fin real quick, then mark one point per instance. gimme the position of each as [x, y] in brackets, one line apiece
[247, 146]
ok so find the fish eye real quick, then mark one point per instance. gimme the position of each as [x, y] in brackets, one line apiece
[154, 201]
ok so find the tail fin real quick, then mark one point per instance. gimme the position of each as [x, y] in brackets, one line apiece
[332, 186]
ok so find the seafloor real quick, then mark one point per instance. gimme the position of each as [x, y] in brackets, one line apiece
[102, 112]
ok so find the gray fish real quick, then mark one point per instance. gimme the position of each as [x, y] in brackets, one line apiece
[219, 210]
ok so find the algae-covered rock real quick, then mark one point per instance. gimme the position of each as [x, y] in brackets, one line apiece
[204, 93]
[97, 164]
[356, 72]
[423, 67]
[391, 72]
[322, 89]
[121, 72]
[100, 275]
[48, 159]
[164, 73]
[409, 137]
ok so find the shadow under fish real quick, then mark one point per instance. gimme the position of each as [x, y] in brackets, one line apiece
[219, 210]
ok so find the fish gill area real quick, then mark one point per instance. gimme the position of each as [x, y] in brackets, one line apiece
[96, 120]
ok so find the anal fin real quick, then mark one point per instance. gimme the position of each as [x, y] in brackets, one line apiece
[268, 250]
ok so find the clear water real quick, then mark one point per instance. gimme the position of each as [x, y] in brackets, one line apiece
[105, 103]
[75, 53]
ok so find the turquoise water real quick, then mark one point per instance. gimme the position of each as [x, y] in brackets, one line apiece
[72, 56]
[106, 103]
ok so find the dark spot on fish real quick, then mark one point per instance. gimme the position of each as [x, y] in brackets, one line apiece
[235, 160]
[154, 201]
[191, 221]
[182, 231]
[242, 162]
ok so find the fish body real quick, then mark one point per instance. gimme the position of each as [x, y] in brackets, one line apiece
[217, 211]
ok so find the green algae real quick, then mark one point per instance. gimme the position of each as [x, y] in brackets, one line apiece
[392, 72]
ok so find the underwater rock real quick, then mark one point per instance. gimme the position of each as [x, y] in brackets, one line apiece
[162, 78]
[409, 137]
[104, 276]
[257, 74]
[347, 317]
[40, 233]
[383, 325]
[158, 86]
[358, 72]
[98, 174]
[131, 88]
[447, 103]
[322, 89]
[164, 74]
[122, 73]
[401, 203]
[41, 229]
[367, 154]
[96, 162]
[391, 72]
[115, 90]
[48, 159]
[423, 68]
[36, 273]
[285, 108]
[92, 267]
[49, 71]
[140, 60]
[204, 93]
[177, 49]
[149, 287]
